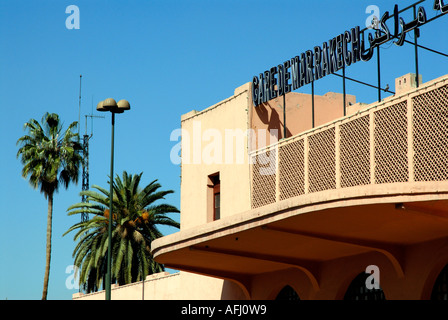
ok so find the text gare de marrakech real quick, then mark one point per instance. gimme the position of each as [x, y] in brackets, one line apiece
[343, 50]
[311, 65]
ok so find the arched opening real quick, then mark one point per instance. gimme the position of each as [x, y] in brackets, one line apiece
[287, 294]
[358, 290]
[440, 288]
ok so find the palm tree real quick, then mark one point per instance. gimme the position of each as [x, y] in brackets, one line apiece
[134, 226]
[50, 157]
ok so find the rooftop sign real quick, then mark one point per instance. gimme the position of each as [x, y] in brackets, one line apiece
[342, 51]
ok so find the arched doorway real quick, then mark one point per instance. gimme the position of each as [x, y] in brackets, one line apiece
[287, 294]
[440, 288]
[358, 290]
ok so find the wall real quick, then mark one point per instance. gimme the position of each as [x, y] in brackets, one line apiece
[176, 286]
[205, 137]
[269, 116]
[209, 147]
[423, 263]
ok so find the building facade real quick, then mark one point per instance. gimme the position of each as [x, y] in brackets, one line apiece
[278, 206]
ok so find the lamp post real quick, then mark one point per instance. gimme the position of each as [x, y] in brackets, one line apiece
[114, 107]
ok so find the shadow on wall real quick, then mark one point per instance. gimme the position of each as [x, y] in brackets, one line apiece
[269, 116]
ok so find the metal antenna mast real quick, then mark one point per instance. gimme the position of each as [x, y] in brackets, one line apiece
[85, 164]
[85, 153]
[85, 174]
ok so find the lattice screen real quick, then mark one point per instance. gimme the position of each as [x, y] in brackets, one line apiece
[291, 169]
[355, 152]
[391, 146]
[264, 176]
[430, 132]
[322, 161]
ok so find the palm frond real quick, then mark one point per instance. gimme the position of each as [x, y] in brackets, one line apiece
[136, 215]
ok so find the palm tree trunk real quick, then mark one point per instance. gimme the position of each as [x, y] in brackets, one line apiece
[48, 249]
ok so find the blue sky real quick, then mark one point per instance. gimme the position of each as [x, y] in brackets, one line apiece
[167, 58]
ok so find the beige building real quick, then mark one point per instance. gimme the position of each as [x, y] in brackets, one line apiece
[304, 217]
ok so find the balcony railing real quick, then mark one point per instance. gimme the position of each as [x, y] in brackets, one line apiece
[401, 140]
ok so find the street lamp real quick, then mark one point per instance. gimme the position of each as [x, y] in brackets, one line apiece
[114, 107]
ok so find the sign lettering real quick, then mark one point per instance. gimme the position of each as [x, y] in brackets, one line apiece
[342, 51]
